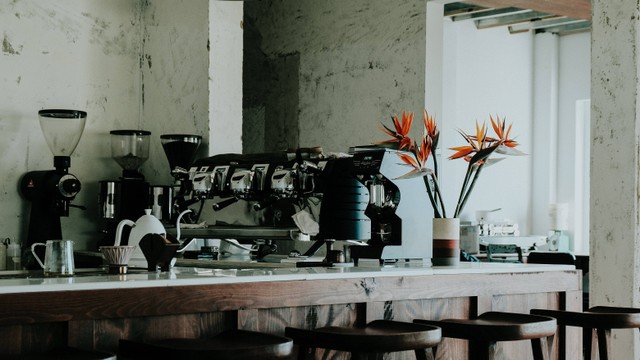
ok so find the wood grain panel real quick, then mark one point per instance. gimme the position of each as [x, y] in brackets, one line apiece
[32, 338]
[91, 304]
[105, 334]
[99, 318]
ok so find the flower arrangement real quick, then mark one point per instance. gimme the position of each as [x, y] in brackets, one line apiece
[477, 152]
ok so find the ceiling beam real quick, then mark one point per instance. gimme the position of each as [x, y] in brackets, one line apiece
[577, 9]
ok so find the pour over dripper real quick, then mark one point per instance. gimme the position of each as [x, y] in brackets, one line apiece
[130, 149]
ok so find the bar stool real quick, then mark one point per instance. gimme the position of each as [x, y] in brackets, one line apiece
[377, 337]
[228, 345]
[484, 331]
[65, 353]
[600, 318]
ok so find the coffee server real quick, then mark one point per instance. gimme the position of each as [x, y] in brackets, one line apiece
[127, 197]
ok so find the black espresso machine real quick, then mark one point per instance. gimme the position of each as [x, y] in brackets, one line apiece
[357, 197]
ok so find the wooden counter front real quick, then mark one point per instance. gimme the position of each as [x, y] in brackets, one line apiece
[191, 306]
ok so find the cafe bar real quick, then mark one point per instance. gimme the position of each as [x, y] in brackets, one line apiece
[282, 179]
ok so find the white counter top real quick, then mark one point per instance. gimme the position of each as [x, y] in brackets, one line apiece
[184, 276]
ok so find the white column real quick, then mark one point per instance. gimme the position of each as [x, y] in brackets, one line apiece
[544, 130]
[615, 148]
[434, 59]
[225, 76]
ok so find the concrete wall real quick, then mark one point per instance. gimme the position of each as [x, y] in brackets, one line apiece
[335, 70]
[129, 64]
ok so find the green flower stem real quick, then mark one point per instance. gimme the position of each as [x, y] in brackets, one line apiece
[463, 190]
[439, 201]
[436, 213]
[438, 194]
[473, 182]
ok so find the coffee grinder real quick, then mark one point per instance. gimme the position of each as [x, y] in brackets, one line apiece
[51, 191]
[127, 197]
[181, 151]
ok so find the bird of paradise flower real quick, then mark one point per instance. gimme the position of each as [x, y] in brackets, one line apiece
[477, 152]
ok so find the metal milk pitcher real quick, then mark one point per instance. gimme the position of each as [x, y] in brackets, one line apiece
[58, 257]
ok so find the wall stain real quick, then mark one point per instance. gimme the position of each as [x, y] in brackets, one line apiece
[7, 47]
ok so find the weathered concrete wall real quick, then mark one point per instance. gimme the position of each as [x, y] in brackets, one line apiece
[615, 161]
[174, 62]
[345, 66]
[129, 64]
[65, 54]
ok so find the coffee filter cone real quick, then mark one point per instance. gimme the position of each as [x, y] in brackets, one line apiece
[117, 255]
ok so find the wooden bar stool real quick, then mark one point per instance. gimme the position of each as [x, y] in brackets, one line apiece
[599, 318]
[228, 345]
[65, 353]
[491, 327]
[377, 337]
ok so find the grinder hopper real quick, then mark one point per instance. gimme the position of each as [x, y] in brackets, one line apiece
[180, 150]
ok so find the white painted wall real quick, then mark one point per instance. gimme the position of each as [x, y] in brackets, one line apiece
[493, 72]
[225, 76]
[488, 72]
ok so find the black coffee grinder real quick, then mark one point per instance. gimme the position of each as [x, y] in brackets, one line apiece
[127, 197]
[51, 191]
[181, 150]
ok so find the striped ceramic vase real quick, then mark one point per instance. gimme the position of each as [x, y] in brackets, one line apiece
[446, 241]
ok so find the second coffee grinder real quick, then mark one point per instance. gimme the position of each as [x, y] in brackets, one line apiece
[180, 150]
[127, 197]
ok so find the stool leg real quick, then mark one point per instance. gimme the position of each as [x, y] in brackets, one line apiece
[303, 352]
[540, 349]
[604, 337]
[366, 356]
[425, 354]
[482, 350]
[587, 347]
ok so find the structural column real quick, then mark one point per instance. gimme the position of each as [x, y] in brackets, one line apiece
[615, 163]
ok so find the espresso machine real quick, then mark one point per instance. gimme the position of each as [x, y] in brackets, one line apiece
[358, 198]
[127, 197]
[51, 191]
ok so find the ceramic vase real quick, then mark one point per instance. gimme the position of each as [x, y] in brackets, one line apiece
[446, 241]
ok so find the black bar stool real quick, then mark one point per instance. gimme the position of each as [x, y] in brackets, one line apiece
[377, 337]
[65, 353]
[599, 318]
[228, 345]
[491, 327]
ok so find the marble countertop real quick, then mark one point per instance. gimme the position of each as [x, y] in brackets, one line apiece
[97, 279]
